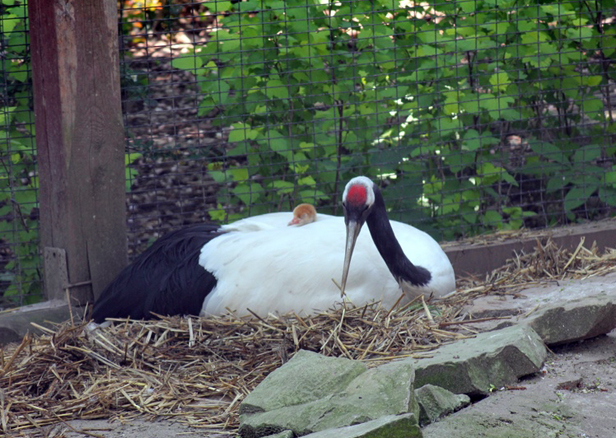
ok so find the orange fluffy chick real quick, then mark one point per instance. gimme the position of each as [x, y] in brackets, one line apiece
[303, 214]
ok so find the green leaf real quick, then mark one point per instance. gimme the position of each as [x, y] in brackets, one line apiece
[241, 132]
[494, 104]
[239, 173]
[18, 71]
[449, 126]
[221, 92]
[387, 158]
[6, 114]
[459, 161]
[313, 196]
[283, 187]
[307, 181]
[592, 81]
[557, 182]
[280, 144]
[610, 177]
[467, 6]
[219, 6]
[582, 31]
[587, 153]
[534, 37]
[593, 107]
[473, 140]
[276, 89]
[219, 214]
[226, 42]
[549, 151]
[578, 196]
[492, 217]
[187, 62]
[608, 195]
[249, 193]
[500, 80]
[9, 21]
[218, 176]
[491, 174]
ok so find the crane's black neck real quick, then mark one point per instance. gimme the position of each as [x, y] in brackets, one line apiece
[385, 240]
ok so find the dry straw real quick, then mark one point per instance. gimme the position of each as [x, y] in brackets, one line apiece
[198, 370]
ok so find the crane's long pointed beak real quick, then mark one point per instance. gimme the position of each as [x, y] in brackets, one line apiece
[352, 231]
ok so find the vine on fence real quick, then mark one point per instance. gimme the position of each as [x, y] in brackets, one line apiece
[424, 97]
[18, 180]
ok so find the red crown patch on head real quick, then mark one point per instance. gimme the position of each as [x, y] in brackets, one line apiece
[357, 195]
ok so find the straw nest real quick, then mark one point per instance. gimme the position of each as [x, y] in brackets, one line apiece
[198, 370]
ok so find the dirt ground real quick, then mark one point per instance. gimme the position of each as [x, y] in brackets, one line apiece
[574, 396]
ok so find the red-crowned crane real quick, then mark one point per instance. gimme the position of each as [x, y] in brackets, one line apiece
[292, 269]
[426, 270]
[260, 264]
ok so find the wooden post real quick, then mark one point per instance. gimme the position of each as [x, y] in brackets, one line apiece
[80, 141]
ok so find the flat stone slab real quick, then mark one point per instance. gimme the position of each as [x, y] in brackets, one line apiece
[390, 426]
[574, 396]
[537, 297]
[576, 320]
[307, 377]
[492, 359]
[284, 401]
[436, 402]
[283, 434]
[561, 312]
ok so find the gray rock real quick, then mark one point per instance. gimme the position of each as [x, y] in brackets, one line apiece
[436, 402]
[473, 366]
[384, 390]
[537, 297]
[486, 425]
[574, 321]
[378, 392]
[390, 426]
[283, 434]
[542, 407]
[305, 378]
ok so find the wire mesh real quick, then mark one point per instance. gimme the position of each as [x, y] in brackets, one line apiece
[20, 277]
[473, 116]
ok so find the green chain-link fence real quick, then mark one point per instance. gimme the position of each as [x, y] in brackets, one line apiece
[474, 116]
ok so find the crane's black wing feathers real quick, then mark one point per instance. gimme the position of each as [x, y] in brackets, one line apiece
[165, 279]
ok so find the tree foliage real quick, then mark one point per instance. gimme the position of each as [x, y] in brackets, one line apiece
[421, 96]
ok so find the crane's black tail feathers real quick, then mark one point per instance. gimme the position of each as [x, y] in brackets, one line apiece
[165, 279]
